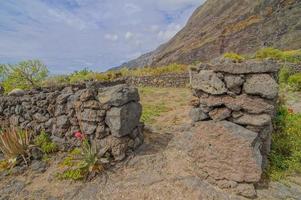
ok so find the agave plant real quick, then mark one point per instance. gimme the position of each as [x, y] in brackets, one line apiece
[14, 143]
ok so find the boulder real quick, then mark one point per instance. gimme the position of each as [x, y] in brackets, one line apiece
[220, 114]
[209, 82]
[16, 92]
[253, 120]
[263, 85]
[117, 95]
[122, 120]
[226, 151]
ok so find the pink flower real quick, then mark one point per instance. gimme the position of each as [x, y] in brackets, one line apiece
[79, 135]
[290, 111]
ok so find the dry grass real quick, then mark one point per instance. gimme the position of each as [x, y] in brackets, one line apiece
[165, 107]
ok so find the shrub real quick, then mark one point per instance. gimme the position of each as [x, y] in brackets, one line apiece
[294, 82]
[269, 53]
[293, 56]
[234, 57]
[24, 75]
[285, 156]
[44, 142]
[14, 143]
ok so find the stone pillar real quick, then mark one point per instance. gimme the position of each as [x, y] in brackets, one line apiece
[238, 102]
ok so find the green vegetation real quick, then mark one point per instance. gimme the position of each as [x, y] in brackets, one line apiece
[234, 57]
[285, 156]
[81, 163]
[293, 56]
[44, 142]
[294, 82]
[14, 143]
[284, 74]
[24, 75]
[150, 112]
[88, 75]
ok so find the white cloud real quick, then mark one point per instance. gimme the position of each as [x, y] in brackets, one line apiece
[171, 30]
[70, 34]
[128, 35]
[112, 37]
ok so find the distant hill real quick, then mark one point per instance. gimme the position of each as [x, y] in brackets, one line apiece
[219, 26]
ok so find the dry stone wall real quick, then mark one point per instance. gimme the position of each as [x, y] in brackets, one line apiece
[172, 80]
[236, 103]
[108, 113]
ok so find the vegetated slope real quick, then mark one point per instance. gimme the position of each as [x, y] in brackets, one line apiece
[219, 26]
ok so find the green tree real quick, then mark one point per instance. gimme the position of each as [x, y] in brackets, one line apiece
[24, 75]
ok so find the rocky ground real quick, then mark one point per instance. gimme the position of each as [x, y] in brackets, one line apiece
[162, 168]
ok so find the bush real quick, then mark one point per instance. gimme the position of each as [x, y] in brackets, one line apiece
[293, 56]
[234, 57]
[269, 53]
[44, 142]
[24, 75]
[14, 143]
[285, 156]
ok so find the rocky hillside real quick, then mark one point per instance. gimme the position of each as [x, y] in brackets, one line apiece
[220, 26]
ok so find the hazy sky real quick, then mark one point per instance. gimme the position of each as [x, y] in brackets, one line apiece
[69, 35]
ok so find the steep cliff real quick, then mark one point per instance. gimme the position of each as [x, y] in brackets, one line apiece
[220, 26]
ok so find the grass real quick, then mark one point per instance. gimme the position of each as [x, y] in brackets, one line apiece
[87, 75]
[44, 142]
[292, 56]
[285, 156]
[234, 57]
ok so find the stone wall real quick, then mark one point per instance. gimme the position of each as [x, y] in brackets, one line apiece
[172, 80]
[108, 113]
[236, 102]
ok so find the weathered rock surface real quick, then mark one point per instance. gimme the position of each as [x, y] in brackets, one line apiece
[209, 82]
[117, 95]
[16, 92]
[220, 114]
[234, 83]
[197, 114]
[123, 120]
[263, 85]
[250, 104]
[226, 151]
[253, 120]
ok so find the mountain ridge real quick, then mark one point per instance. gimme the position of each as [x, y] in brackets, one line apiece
[220, 26]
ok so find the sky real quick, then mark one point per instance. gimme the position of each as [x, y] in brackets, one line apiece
[69, 35]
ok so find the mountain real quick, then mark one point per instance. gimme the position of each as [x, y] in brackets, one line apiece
[219, 26]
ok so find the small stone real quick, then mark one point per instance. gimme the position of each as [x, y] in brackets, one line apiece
[234, 83]
[253, 120]
[209, 82]
[36, 153]
[38, 166]
[220, 114]
[196, 114]
[246, 190]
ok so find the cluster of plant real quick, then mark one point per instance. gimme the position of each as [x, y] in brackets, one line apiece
[234, 57]
[293, 56]
[285, 156]
[81, 163]
[45, 143]
[290, 80]
[14, 144]
[24, 75]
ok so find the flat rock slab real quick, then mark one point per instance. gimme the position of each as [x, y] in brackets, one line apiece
[226, 151]
[248, 67]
